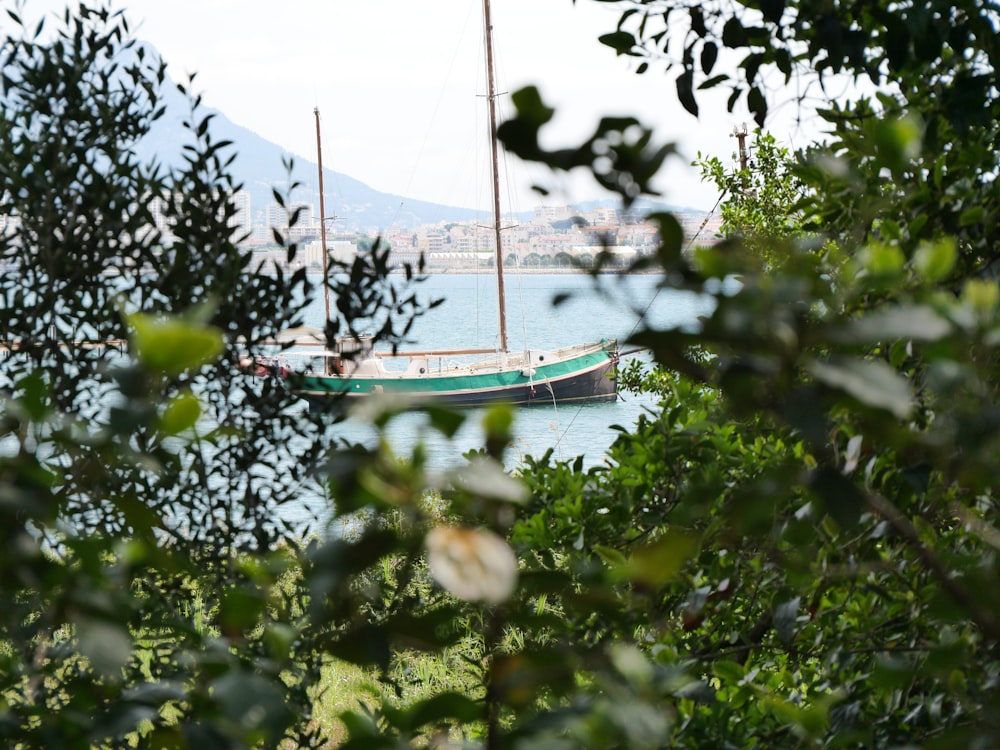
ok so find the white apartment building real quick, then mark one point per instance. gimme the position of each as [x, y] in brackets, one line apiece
[241, 221]
[277, 216]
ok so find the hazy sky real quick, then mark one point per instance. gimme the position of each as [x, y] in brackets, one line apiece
[399, 85]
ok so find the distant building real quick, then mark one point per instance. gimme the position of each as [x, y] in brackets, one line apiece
[341, 251]
[606, 216]
[551, 214]
[306, 226]
[240, 222]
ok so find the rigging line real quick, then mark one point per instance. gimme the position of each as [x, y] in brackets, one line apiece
[686, 249]
[555, 408]
[452, 66]
[566, 431]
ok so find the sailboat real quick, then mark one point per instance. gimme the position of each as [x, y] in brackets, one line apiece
[353, 368]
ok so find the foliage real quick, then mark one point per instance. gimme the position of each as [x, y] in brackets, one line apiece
[941, 51]
[758, 201]
[155, 499]
[823, 567]
[797, 547]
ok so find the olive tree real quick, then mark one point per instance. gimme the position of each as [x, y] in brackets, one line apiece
[157, 500]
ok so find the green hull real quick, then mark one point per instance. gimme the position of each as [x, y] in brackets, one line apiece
[582, 374]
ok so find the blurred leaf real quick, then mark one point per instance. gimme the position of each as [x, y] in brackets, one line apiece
[366, 645]
[181, 413]
[934, 261]
[612, 557]
[107, 645]
[484, 477]
[252, 703]
[728, 671]
[171, 345]
[916, 322]
[657, 563]
[870, 382]
[982, 295]
[240, 610]
[445, 706]
[882, 259]
[35, 396]
[970, 216]
[444, 420]
[785, 620]
[841, 498]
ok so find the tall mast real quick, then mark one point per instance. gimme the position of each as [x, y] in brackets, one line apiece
[741, 139]
[491, 95]
[322, 216]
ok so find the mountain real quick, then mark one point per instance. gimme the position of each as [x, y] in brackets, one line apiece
[259, 167]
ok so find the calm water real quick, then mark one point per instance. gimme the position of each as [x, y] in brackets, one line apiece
[468, 318]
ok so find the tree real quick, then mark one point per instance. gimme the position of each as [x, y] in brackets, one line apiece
[820, 569]
[152, 573]
[796, 548]
[759, 200]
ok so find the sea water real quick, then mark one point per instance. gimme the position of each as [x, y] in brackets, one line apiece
[544, 311]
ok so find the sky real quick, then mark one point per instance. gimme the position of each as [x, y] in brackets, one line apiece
[400, 83]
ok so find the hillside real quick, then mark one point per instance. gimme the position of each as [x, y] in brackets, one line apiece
[259, 166]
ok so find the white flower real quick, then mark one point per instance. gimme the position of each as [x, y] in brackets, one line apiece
[473, 564]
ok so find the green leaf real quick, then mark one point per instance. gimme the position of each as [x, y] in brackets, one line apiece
[181, 413]
[870, 382]
[657, 563]
[897, 141]
[685, 92]
[982, 295]
[974, 215]
[240, 610]
[882, 259]
[610, 556]
[728, 671]
[280, 640]
[497, 424]
[632, 664]
[935, 260]
[172, 345]
[450, 706]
